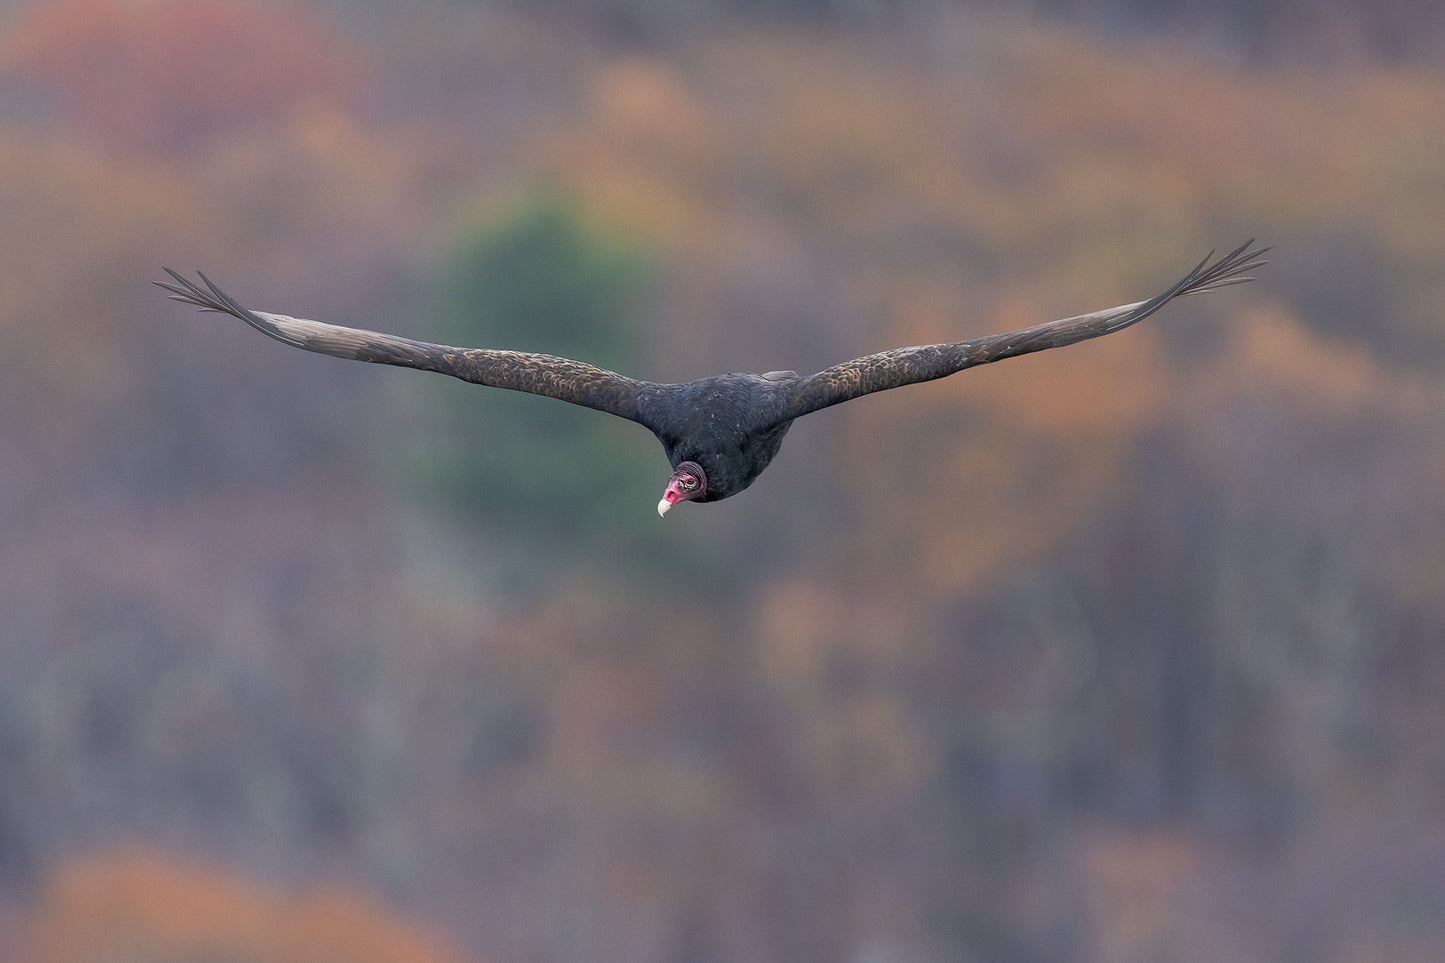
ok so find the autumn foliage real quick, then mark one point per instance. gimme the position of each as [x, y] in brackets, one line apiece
[134, 905]
[1124, 652]
[168, 74]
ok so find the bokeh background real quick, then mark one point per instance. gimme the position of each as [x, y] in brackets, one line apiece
[1129, 652]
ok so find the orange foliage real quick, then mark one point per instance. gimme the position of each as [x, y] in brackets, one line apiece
[897, 173]
[647, 149]
[136, 905]
[169, 73]
[69, 334]
[820, 197]
[1273, 353]
[1136, 888]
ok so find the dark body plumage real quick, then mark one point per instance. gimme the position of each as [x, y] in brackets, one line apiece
[728, 426]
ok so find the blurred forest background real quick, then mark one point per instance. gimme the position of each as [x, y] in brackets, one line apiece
[1127, 652]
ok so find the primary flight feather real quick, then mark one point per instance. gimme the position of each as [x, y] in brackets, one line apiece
[719, 432]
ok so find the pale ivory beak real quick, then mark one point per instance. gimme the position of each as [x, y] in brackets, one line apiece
[674, 494]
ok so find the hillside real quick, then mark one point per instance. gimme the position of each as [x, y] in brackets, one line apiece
[1128, 651]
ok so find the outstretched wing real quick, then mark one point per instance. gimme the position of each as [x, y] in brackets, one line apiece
[904, 366]
[541, 374]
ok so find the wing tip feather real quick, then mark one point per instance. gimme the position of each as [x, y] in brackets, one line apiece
[212, 298]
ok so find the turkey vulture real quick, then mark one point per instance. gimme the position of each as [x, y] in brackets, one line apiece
[720, 432]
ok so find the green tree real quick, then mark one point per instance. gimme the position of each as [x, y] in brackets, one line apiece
[538, 278]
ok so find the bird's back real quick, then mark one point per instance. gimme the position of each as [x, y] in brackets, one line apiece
[728, 424]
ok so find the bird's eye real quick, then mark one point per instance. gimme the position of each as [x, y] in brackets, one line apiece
[687, 483]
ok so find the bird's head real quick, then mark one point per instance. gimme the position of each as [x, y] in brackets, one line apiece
[687, 482]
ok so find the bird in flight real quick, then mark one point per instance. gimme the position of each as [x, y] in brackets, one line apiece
[719, 433]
